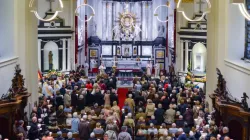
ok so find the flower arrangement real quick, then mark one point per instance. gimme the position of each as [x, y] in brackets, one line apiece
[53, 73]
[190, 78]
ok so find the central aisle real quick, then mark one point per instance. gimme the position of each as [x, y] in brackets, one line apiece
[122, 92]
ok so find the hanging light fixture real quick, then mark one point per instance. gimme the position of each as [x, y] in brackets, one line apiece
[155, 14]
[243, 10]
[49, 19]
[85, 5]
[181, 10]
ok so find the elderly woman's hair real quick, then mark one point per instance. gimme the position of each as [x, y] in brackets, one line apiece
[110, 127]
[92, 135]
[75, 115]
[59, 133]
[69, 135]
[114, 103]
[129, 115]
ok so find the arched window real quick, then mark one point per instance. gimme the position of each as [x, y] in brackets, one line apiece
[247, 43]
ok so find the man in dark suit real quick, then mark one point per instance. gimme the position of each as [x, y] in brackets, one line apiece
[84, 129]
[225, 132]
[113, 97]
[159, 113]
[34, 130]
[99, 98]
[21, 130]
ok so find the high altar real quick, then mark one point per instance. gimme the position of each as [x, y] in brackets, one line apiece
[127, 35]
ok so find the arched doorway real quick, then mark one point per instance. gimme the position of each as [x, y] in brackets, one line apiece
[51, 50]
[235, 130]
[199, 57]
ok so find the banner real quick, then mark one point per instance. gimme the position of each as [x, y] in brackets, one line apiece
[174, 59]
[167, 38]
[86, 37]
[76, 39]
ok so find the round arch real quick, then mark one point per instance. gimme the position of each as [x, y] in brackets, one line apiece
[53, 47]
[199, 56]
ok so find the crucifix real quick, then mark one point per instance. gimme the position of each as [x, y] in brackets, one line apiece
[50, 4]
[200, 4]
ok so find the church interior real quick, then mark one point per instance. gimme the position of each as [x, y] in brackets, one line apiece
[124, 69]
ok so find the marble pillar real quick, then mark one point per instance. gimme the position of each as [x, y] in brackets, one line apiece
[109, 19]
[104, 20]
[39, 53]
[64, 55]
[181, 54]
[69, 57]
[186, 55]
[144, 24]
[150, 21]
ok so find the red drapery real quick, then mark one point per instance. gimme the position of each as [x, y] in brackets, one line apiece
[167, 38]
[76, 38]
[174, 36]
[86, 36]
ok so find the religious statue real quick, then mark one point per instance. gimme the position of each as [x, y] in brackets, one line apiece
[244, 101]
[102, 69]
[157, 70]
[117, 32]
[118, 51]
[50, 60]
[149, 67]
[86, 68]
[94, 28]
[135, 51]
[161, 30]
[138, 62]
[126, 51]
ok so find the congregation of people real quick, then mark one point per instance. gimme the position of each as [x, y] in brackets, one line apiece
[76, 107]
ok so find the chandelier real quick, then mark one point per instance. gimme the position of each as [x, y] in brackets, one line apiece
[85, 5]
[181, 10]
[155, 14]
[243, 10]
[49, 19]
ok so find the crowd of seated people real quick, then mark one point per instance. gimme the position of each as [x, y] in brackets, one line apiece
[155, 109]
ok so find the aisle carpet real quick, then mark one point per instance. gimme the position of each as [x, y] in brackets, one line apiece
[122, 92]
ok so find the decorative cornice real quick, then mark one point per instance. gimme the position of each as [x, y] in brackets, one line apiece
[185, 1]
[239, 65]
[8, 62]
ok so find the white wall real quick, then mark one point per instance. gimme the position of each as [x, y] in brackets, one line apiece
[7, 29]
[226, 30]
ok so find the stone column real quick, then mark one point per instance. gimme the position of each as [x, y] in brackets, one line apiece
[104, 20]
[186, 55]
[109, 20]
[39, 54]
[69, 57]
[64, 55]
[181, 54]
[144, 20]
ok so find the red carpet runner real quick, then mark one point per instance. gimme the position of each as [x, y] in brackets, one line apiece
[122, 92]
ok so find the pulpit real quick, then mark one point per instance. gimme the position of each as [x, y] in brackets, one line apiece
[230, 111]
[11, 111]
[12, 105]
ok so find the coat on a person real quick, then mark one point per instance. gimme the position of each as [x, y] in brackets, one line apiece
[169, 116]
[84, 130]
[150, 109]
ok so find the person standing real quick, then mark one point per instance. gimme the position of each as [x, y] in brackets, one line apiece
[84, 129]
[86, 68]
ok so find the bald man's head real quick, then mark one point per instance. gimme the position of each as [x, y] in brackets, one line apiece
[226, 138]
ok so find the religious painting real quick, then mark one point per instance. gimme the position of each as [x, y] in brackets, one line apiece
[127, 50]
[147, 51]
[106, 50]
[134, 50]
[93, 53]
[118, 50]
[159, 53]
